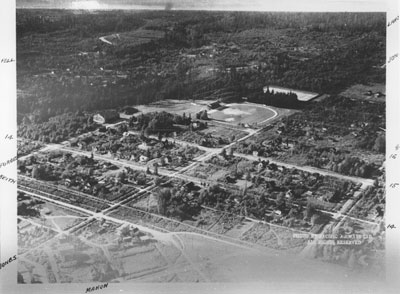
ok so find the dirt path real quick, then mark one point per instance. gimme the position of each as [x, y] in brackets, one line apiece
[193, 265]
[279, 240]
[54, 267]
[56, 225]
[103, 39]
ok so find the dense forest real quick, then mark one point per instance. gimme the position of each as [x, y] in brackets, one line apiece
[278, 99]
[63, 66]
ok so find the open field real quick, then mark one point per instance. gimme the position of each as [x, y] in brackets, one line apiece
[227, 263]
[101, 251]
[49, 214]
[216, 223]
[207, 172]
[213, 136]
[132, 38]
[273, 237]
[31, 235]
[178, 257]
[174, 106]
[356, 245]
[242, 113]
[361, 92]
[233, 113]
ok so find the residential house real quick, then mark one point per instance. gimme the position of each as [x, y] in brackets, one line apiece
[67, 182]
[127, 239]
[289, 194]
[369, 93]
[260, 166]
[143, 146]
[143, 158]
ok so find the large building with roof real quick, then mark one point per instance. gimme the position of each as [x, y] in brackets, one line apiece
[107, 116]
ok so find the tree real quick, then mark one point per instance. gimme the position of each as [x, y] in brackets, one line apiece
[157, 181]
[142, 135]
[20, 278]
[280, 200]
[244, 166]
[223, 152]
[163, 196]
[380, 144]
[36, 172]
[314, 219]
[125, 231]
[156, 169]
[121, 176]
[309, 211]
[204, 115]
[147, 132]
[248, 176]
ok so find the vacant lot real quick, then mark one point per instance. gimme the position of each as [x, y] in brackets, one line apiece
[367, 92]
[221, 262]
[207, 172]
[214, 136]
[133, 38]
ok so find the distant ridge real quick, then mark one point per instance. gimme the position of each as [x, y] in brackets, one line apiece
[238, 5]
[120, 4]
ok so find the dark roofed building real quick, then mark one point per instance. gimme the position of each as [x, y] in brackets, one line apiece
[106, 116]
[214, 105]
[130, 110]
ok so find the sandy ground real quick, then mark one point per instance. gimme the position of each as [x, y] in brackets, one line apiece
[222, 262]
[190, 257]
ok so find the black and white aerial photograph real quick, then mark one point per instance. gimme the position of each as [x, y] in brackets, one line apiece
[186, 142]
